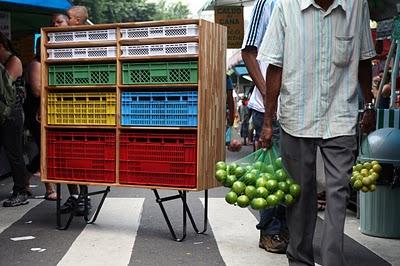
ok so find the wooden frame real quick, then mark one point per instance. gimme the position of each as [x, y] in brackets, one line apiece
[211, 89]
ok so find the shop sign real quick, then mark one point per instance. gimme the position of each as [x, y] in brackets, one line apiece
[5, 25]
[232, 18]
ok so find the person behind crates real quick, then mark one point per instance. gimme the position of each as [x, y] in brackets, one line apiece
[32, 104]
[77, 15]
[11, 129]
[317, 52]
[272, 225]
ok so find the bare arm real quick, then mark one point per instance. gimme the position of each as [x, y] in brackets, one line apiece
[34, 78]
[14, 67]
[273, 83]
[249, 55]
[231, 107]
[365, 80]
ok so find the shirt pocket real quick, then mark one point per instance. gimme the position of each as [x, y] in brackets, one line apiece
[343, 50]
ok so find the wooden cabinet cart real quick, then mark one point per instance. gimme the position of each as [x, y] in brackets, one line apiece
[134, 105]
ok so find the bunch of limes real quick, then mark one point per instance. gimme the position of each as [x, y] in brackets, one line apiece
[365, 175]
[260, 185]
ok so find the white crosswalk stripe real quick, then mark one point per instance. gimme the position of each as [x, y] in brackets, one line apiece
[12, 214]
[110, 241]
[235, 231]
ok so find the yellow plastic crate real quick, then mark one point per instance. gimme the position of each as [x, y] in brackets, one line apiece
[88, 108]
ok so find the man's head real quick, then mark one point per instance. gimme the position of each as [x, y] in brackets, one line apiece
[77, 15]
[59, 20]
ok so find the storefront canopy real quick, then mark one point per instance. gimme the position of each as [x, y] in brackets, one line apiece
[38, 4]
[29, 16]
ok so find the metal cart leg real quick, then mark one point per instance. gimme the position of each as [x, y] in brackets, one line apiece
[72, 214]
[185, 211]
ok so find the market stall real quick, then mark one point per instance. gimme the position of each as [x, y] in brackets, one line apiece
[134, 105]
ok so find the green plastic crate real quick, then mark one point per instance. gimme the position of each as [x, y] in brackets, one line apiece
[71, 75]
[159, 73]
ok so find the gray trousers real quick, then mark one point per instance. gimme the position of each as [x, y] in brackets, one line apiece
[299, 158]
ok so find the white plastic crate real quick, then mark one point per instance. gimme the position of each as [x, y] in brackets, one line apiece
[160, 49]
[159, 32]
[89, 52]
[78, 36]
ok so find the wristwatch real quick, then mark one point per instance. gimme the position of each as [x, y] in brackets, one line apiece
[369, 106]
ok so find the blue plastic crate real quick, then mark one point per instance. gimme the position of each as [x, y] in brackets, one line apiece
[169, 109]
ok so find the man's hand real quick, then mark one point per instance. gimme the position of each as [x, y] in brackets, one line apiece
[266, 137]
[368, 121]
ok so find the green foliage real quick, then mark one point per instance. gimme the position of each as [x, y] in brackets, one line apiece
[108, 11]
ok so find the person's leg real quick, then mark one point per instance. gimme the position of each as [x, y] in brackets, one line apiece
[338, 155]
[269, 225]
[13, 146]
[298, 157]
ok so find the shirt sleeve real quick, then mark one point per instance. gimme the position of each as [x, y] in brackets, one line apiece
[272, 47]
[259, 20]
[367, 45]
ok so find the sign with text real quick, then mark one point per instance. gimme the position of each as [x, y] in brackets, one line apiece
[5, 25]
[232, 18]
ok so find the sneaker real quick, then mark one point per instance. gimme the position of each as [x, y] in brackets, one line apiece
[273, 244]
[16, 199]
[80, 211]
[69, 205]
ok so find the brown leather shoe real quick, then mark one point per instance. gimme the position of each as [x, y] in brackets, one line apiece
[273, 244]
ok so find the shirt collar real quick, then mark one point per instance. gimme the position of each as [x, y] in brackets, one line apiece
[307, 3]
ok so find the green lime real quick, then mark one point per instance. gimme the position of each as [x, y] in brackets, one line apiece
[269, 168]
[272, 200]
[278, 163]
[262, 192]
[280, 195]
[220, 175]
[357, 184]
[289, 200]
[257, 165]
[281, 175]
[250, 179]
[238, 187]
[221, 165]
[259, 203]
[250, 192]
[243, 201]
[239, 171]
[295, 190]
[283, 186]
[272, 185]
[231, 197]
[230, 179]
[261, 182]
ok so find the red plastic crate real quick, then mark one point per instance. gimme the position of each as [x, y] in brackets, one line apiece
[165, 159]
[81, 156]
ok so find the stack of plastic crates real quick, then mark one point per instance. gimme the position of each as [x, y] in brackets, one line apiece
[81, 137]
[158, 156]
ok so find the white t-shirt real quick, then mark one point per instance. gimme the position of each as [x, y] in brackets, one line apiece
[255, 32]
[256, 101]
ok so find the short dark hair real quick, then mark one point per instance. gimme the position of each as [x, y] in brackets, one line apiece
[6, 43]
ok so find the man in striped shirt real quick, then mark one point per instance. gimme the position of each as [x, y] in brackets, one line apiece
[318, 51]
[272, 225]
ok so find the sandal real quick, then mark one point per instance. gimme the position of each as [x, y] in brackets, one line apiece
[321, 201]
[51, 195]
[321, 204]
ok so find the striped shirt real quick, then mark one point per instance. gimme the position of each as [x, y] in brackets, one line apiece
[255, 32]
[319, 52]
